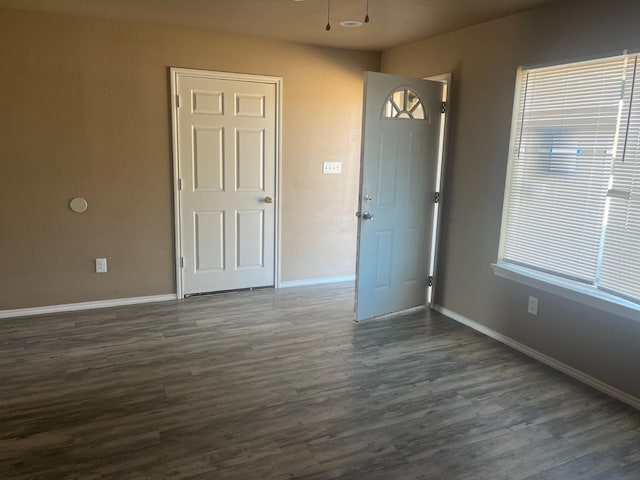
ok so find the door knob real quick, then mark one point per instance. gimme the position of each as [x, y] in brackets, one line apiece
[367, 216]
[268, 200]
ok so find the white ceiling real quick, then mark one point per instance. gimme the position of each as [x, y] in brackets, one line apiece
[393, 22]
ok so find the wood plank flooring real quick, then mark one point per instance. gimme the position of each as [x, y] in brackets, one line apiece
[282, 384]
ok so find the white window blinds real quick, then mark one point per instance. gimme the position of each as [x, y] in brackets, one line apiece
[620, 269]
[573, 202]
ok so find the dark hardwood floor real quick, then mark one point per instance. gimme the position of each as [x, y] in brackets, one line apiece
[282, 384]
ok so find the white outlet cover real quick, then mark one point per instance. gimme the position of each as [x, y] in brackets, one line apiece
[533, 306]
[101, 265]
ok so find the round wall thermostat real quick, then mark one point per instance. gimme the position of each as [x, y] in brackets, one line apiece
[78, 205]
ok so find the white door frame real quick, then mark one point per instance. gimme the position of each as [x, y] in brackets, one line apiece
[444, 78]
[177, 207]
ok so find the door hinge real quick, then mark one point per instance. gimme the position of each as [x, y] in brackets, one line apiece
[177, 101]
[436, 197]
[179, 184]
[181, 262]
[443, 107]
[430, 282]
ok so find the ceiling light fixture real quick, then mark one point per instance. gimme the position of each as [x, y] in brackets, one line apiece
[346, 23]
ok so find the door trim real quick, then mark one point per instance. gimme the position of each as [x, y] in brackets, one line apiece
[174, 72]
[445, 79]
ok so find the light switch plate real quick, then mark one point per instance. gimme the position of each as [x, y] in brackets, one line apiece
[101, 265]
[334, 168]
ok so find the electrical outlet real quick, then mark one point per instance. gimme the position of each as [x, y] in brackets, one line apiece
[533, 305]
[332, 168]
[101, 265]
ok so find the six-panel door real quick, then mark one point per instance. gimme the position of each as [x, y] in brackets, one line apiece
[226, 149]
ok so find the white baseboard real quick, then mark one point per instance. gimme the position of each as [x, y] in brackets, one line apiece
[317, 281]
[70, 307]
[541, 357]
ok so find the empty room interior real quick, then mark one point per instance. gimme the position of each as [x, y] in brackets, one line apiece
[320, 239]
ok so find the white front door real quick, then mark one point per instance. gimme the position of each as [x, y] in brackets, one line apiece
[226, 149]
[400, 153]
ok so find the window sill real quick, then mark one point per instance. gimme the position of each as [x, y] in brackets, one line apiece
[569, 290]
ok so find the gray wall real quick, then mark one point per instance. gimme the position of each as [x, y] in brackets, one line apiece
[483, 60]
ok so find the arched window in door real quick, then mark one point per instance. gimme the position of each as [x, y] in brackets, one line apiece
[403, 103]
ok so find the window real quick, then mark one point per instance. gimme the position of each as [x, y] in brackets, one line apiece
[572, 202]
[403, 103]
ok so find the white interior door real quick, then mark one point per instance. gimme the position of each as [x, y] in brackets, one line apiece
[226, 147]
[400, 148]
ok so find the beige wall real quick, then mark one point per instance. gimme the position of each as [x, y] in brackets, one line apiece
[483, 60]
[85, 112]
